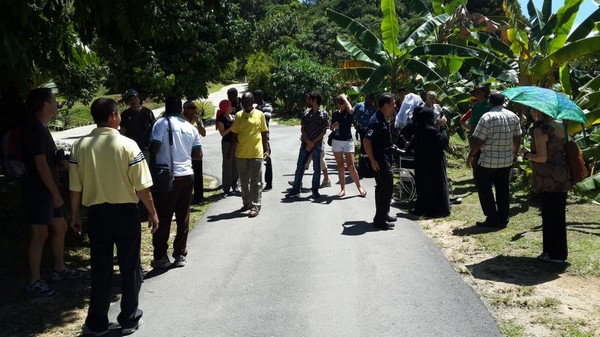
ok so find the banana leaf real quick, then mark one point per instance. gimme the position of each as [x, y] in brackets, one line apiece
[355, 50]
[567, 53]
[373, 47]
[593, 118]
[565, 18]
[588, 184]
[585, 27]
[426, 29]
[389, 27]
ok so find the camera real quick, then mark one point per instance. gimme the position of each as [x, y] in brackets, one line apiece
[395, 150]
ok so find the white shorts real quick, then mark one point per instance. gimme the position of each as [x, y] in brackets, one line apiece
[346, 146]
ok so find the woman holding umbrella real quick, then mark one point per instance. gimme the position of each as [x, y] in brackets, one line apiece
[551, 182]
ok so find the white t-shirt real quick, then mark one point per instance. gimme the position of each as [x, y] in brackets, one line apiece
[185, 139]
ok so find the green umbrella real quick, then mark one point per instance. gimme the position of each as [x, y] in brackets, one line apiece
[550, 102]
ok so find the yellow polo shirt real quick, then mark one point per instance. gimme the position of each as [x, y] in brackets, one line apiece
[107, 168]
[249, 126]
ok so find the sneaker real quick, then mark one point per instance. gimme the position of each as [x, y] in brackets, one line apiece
[391, 218]
[180, 261]
[325, 183]
[162, 263]
[292, 195]
[65, 274]
[39, 288]
[86, 331]
[384, 225]
[131, 329]
[316, 194]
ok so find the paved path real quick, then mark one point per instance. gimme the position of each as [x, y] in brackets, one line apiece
[305, 268]
[308, 268]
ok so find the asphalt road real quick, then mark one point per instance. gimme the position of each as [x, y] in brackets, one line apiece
[306, 268]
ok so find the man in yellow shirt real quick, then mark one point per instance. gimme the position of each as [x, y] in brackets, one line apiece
[250, 133]
[108, 173]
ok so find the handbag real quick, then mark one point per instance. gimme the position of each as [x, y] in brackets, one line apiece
[330, 139]
[574, 158]
[162, 175]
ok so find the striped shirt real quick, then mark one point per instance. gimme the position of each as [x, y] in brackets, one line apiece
[497, 129]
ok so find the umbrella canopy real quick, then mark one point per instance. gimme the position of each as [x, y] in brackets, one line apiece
[550, 102]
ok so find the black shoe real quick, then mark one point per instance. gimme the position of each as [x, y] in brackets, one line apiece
[391, 218]
[268, 187]
[316, 194]
[384, 225]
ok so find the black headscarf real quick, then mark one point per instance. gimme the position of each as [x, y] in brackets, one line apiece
[423, 117]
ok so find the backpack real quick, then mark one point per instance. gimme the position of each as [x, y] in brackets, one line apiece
[577, 168]
[12, 158]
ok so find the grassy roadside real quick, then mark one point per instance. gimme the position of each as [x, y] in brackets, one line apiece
[527, 297]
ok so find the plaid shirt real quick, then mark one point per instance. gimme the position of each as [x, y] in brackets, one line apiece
[314, 123]
[496, 129]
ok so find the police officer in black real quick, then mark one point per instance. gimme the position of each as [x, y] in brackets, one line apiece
[378, 146]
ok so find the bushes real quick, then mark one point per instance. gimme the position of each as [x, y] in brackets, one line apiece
[258, 71]
[295, 74]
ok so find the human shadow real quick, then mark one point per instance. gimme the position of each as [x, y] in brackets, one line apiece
[519, 270]
[472, 230]
[226, 216]
[156, 272]
[590, 228]
[354, 228]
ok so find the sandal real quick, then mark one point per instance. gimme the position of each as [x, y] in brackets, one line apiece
[341, 194]
[362, 193]
[253, 213]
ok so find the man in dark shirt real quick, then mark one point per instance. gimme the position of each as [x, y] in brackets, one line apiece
[377, 143]
[137, 121]
[314, 125]
[42, 199]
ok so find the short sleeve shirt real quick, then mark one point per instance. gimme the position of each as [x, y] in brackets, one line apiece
[185, 139]
[496, 129]
[226, 125]
[138, 125]
[362, 115]
[249, 127]
[379, 135]
[344, 132]
[314, 123]
[36, 141]
[107, 167]
[477, 112]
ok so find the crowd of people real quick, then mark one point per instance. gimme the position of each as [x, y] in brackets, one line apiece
[111, 172]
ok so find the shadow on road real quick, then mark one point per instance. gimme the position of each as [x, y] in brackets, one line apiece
[226, 216]
[519, 270]
[354, 228]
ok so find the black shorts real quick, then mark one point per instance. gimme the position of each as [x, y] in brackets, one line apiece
[39, 204]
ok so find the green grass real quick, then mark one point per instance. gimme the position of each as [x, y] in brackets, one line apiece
[286, 120]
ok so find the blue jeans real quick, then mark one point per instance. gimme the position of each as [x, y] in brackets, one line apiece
[302, 159]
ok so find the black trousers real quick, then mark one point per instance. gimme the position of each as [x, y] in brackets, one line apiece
[110, 225]
[383, 192]
[495, 210]
[198, 180]
[268, 172]
[554, 224]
